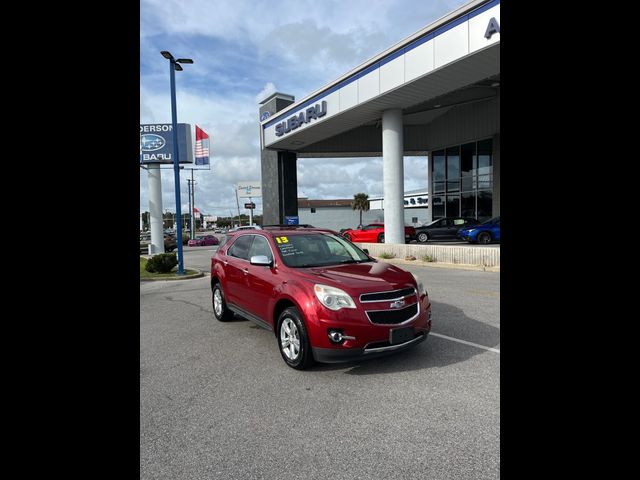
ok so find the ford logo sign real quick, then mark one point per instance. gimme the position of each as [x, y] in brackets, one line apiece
[151, 142]
[397, 304]
[264, 116]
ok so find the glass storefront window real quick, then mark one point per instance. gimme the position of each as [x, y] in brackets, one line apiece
[453, 206]
[438, 207]
[438, 166]
[468, 205]
[453, 169]
[485, 205]
[466, 168]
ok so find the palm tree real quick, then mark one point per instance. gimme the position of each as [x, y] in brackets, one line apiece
[360, 202]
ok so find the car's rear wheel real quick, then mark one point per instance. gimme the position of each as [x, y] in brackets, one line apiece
[293, 340]
[381, 238]
[484, 238]
[423, 237]
[220, 310]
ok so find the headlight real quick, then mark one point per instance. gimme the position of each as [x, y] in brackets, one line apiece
[421, 289]
[333, 298]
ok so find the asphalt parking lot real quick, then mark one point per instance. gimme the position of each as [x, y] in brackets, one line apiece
[218, 402]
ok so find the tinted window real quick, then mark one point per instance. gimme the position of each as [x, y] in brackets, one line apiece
[260, 246]
[240, 247]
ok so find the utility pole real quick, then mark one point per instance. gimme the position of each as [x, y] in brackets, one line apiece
[238, 204]
[190, 207]
[193, 203]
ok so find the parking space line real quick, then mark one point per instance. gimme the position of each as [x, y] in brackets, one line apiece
[495, 350]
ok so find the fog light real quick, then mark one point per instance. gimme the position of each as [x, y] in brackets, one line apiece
[335, 336]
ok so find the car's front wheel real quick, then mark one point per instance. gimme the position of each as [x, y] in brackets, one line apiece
[293, 340]
[484, 238]
[220, 310]
[423, 237]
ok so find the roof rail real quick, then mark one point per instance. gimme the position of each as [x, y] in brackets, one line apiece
[304, 225]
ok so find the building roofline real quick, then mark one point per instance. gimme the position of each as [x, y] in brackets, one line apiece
[440, 22]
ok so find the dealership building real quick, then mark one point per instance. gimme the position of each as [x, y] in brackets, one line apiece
[435, 94]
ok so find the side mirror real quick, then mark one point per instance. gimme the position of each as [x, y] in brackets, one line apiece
[262, 260]
[366, 250]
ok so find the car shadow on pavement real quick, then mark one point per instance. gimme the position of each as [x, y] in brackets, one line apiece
[435, 351]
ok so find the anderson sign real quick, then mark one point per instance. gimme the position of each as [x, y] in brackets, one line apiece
[156, 143]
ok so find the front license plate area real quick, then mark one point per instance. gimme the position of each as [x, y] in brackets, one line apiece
[400, 335]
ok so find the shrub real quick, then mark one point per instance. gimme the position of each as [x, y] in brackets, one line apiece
[387, 255]
[162, 263]
[428, 258]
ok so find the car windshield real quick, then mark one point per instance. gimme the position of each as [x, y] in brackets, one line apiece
[317, 249]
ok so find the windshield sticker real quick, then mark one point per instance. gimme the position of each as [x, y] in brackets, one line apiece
[282, 240]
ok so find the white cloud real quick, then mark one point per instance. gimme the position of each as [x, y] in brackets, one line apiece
[269, 89]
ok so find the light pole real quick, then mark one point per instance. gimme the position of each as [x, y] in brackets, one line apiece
[173, 66]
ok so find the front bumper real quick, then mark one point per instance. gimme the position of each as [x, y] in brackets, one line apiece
[332, 355]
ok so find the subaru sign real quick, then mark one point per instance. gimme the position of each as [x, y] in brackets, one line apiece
[156, 143]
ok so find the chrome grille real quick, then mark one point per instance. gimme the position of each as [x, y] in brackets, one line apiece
[390, 295]
[392, 317]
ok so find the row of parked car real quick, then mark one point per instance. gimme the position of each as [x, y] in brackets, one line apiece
[447, 228]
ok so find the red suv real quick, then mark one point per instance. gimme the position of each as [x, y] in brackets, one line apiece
[324, 298]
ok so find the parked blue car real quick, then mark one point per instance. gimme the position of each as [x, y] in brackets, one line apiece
[486, 232]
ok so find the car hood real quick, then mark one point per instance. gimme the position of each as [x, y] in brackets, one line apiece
[358, 277]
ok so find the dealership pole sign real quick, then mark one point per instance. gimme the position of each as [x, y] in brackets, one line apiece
[249, 189]
[156, 143]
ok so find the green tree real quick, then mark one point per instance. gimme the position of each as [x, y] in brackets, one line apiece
[361, 203]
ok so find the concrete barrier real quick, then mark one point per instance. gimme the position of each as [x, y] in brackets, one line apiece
[465, 255]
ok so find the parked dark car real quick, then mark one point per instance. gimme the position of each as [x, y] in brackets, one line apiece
[324, 298]
[484, 233]
[443, 228]
[170, 243]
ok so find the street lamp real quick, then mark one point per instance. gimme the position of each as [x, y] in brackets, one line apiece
[173, 66]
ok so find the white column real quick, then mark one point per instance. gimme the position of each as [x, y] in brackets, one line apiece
[393, 175]
[155, 209]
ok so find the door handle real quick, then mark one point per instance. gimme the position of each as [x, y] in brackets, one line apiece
[225, 263]
[246, 271]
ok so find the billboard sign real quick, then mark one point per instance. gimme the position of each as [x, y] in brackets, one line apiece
[156, 143]
[249, 189]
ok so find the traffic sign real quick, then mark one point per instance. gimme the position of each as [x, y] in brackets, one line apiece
[250, 206]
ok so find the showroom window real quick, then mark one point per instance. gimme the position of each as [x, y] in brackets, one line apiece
[463, 180]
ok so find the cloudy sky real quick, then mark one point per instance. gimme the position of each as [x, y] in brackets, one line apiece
[244, 50]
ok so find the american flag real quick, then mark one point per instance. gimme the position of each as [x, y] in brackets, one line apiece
[202, 147]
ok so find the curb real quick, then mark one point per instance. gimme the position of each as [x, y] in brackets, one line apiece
[183, 277]
[420, 263]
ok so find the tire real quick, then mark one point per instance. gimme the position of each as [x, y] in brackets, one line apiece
[293, 340]
[484, 238]
[220, 310]
[381, 238]
[423, 237]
